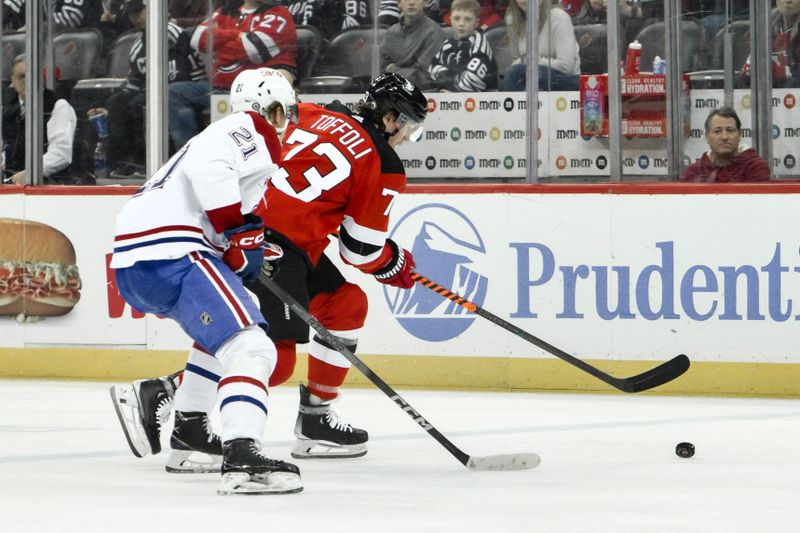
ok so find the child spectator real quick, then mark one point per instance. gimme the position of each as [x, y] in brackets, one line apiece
[410, 45]
[330, 16]
[785, 46]
[465, 62]
[249, 34]
[389, 11]
[492, 12]
[559, 55]
[126, 108]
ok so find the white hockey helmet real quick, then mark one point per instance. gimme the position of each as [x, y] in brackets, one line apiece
[257, 89]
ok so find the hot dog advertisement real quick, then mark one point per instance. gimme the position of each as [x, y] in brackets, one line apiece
[38, 272]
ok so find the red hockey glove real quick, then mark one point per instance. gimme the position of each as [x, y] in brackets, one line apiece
[245, 252]
[397, 271]
[272, 257]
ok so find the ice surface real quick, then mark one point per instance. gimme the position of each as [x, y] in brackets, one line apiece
[608, 465]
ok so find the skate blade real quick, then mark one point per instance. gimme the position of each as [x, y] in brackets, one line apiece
[271, 483]
[192, 462]
[127, 408]
[317, 449]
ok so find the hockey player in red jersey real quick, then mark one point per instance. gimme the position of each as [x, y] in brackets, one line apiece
[248, 34]
[340, 174]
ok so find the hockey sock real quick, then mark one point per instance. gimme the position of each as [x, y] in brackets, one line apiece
[198, 389]
[327, 369]
[248, 358]
[287, 357]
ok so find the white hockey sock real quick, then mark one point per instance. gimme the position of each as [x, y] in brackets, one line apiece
[249, 358]
[198, 390]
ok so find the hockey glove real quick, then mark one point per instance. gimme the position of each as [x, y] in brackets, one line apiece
[245, 252]
[397, 271]
[272, 257]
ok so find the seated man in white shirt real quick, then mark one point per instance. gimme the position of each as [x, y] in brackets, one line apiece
[59, 134]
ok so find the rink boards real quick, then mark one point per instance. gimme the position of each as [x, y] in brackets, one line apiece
[623, 275]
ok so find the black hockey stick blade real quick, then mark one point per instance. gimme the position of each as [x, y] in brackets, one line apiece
[520, 461]
[655, 377]
[663, 373]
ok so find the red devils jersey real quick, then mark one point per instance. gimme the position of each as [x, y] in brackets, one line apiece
[242, 40]
[338, 175]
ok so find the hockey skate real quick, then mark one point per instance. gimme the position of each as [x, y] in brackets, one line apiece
[246, 471]
[142, 408]
[321, 434]
[195, 447]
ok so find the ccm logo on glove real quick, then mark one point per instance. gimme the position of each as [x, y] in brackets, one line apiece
[245, 252]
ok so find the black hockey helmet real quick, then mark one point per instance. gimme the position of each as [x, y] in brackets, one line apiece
[393, 92]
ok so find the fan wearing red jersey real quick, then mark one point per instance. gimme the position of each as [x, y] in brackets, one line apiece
[340, 174]
[248, 34]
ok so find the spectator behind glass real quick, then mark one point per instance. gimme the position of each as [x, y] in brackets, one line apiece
[113, 22]
[389, 11]
[727, 160]
[330, 16]
[785, 28]
[249, 34]
[465, 62]
[492, 13]
[59, 132]
[591, 12]
[410, 45]
[190, 13]
[66, 14]
[559, 59]
[125, 143]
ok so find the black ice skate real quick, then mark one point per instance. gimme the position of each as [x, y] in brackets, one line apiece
[246, 471]
[321, 434]
[195, 447]
[142, 408]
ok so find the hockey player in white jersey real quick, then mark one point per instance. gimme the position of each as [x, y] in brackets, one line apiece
[183, 245]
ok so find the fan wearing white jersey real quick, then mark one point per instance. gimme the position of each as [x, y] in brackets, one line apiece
[184, 244]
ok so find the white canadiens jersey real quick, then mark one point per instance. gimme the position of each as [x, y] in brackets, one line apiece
[227, 164]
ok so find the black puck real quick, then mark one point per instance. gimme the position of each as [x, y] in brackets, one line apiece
[684, 449]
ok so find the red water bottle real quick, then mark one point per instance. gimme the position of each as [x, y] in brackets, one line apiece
[633, 58]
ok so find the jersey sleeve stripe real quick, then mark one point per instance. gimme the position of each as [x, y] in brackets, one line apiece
[357, 252]
[161, 229]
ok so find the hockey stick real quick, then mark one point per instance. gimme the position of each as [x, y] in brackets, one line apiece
[516, 461]
[654, 377]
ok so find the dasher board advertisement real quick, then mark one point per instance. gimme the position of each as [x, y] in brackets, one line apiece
[616, 276]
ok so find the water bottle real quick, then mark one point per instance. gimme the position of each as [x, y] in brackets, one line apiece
[100, 168]
[632, 58]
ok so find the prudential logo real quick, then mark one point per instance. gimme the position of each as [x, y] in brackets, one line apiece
[448, 249]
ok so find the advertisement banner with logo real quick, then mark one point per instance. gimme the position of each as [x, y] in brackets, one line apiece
[602, 276]
[619, 276]
[86, 225]
[467, 135]
[474, 135]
